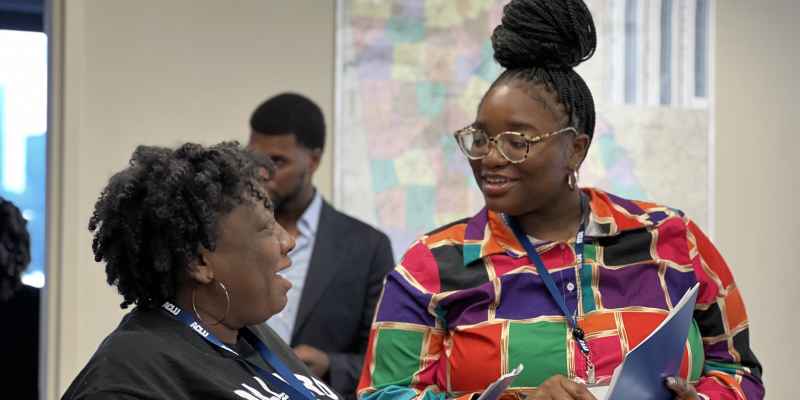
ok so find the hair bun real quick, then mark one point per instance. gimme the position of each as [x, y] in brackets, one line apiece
[549, 34]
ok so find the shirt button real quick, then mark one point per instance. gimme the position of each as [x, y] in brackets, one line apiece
[570, 286]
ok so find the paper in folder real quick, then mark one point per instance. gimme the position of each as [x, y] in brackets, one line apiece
[496, 389]
[643, 371]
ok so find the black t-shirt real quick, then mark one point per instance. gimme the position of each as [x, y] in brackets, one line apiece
[153, 356]
[20, 349]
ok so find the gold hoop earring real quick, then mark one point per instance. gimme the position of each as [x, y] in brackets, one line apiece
[227, 305]
[572, 180]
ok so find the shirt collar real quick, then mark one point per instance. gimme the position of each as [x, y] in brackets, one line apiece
[309, 220]
[487, 233]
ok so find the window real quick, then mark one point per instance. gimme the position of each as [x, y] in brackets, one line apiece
[23, 125]
[701, 49]
[663, 53]
[666, 52]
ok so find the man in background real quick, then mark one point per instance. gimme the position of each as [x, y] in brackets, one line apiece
[338, 263]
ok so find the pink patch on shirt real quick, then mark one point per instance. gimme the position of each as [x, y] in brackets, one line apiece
[419, 262]
[671, 243]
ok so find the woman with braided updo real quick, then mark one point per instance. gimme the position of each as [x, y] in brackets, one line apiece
[563, 279]
[188, 237]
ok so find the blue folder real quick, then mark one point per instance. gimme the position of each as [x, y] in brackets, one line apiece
[641, 375]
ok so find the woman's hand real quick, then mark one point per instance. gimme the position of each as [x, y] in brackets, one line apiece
[558, 387]
[683, 390]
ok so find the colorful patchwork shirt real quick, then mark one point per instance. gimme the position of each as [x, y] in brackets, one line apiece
[466, 305]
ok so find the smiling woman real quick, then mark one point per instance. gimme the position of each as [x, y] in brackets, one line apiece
[189, 237]
[561, 279]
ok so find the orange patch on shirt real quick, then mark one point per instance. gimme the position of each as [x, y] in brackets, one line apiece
[640, 324]
[475, 357]
[734, 309]
[598, 322]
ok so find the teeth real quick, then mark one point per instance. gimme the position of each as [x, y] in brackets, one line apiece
[494, 179]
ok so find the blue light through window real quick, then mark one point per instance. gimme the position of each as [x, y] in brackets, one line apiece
[23, 125]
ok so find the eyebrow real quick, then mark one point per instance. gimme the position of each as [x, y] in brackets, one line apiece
[520, 125]
[514, 125]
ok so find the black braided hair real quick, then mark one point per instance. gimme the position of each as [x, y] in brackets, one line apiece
[153, 217]
[15, 248]
[539, 42]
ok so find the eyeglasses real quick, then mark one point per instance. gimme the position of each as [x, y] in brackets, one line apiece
[513, 146]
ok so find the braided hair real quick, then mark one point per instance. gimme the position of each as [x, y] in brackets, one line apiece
[15, 248]
[539, 42]
[153, 217]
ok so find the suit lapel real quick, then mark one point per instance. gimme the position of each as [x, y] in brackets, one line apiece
[323, 266]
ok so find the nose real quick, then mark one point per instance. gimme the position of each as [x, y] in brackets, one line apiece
[287, 242]
[494, 159]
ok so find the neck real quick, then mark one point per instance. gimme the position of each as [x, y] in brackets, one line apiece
[290, 212]
[557, 222]
[209, 312]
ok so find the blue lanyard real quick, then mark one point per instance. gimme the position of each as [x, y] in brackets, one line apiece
[286, 382]
[544, 274]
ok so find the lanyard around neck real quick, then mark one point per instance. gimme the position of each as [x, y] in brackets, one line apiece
[547, 278]
[286, 381]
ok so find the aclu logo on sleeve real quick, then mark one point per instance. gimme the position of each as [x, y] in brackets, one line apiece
[263, 392]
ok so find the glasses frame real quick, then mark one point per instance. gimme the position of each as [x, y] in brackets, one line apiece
[459, 134]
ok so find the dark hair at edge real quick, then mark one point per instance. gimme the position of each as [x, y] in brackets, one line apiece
[153, 217]
[539, 42]
[291, 113]
[15, 248]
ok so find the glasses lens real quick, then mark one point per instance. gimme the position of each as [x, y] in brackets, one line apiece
[514, 147]
[473, 142]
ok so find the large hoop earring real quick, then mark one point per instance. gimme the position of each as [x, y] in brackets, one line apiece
[572, 180]
[227, 305]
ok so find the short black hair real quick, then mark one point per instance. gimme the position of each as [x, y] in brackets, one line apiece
[291, 113]
[15, 248]
[153, 217]
[539, 42]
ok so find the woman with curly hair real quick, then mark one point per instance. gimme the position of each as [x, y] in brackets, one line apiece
[18, 303]
[188, 237]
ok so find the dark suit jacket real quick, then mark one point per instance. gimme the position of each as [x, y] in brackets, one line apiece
[345, 276]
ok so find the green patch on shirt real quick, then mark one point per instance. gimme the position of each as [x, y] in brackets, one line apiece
[541, 347]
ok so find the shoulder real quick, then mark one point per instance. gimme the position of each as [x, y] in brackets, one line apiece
[434, 261]
[133, 354]
[140, 345]
[24, 303]
[143, 337]
[618, 214]
[349, 224]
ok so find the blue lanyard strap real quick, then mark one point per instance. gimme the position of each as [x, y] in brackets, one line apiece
[286, 381]
[547, 278]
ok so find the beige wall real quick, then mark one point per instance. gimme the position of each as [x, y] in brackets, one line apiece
[161, 72]
[157, 72]
[757, 187]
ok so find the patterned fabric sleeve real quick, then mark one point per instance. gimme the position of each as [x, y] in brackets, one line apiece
[731, 370]
[405, 358]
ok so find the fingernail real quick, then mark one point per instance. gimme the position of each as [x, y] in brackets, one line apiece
[671, 380]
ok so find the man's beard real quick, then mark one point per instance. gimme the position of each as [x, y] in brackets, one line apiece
[281, 201]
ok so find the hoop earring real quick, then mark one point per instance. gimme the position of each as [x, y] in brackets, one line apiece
[227, 305]
[572, 180]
